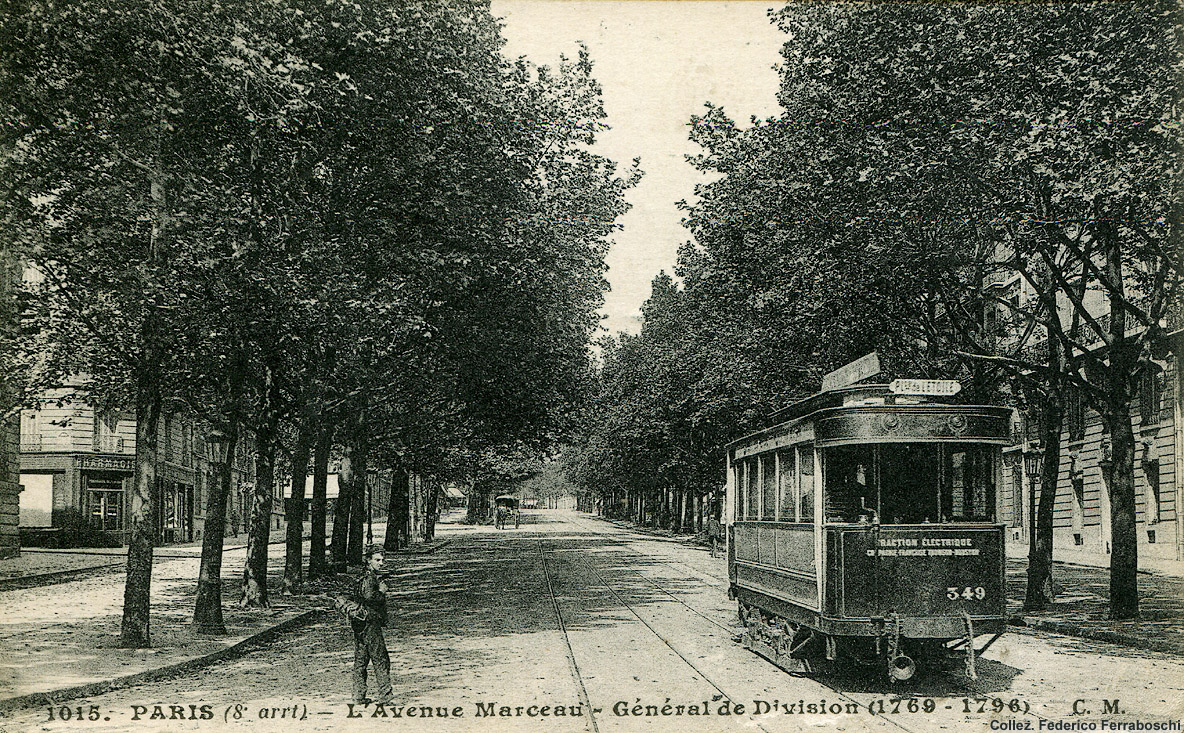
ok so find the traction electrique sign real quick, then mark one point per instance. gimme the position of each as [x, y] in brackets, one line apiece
[934, 387]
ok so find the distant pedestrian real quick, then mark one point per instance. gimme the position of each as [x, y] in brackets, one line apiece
[715, 532]
[369, 643]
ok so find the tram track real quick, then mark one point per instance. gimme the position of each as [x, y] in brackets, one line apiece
[627, 600]
[573, 666]
[961, 687]
[633, 610]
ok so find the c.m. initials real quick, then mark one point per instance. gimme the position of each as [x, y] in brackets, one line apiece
[1109, 707]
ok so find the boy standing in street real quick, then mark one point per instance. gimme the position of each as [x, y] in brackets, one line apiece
[369, 644]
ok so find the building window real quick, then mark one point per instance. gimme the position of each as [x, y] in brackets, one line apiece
[186, 445]
[1077, 482]
[1075, 414]
[1017, 491]
[105, 502]
[30, 437]
[1150, 466]
[36, 504]
[106, 434]
[1150, 394]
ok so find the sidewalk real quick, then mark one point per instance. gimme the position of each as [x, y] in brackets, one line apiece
[1082, 604]
[1081, 607]
[37, 566]
[61, 641]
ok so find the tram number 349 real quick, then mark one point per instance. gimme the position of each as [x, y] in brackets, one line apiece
[967, 593]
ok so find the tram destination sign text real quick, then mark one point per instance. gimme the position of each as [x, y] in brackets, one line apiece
[928, 387]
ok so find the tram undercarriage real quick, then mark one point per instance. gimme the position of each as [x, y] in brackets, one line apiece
[796, 647]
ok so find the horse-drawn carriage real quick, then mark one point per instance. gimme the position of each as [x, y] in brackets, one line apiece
[506, 511]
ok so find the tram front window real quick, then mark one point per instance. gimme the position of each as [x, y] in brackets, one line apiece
[910, 483]
[850, 488]
[909, 480]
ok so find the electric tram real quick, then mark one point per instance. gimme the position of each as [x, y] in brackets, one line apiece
[861, 527]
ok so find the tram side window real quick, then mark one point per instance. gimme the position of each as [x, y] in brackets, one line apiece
[752, 489]
[786, 487]
[738, 493]
[768, 487]
[806, 483]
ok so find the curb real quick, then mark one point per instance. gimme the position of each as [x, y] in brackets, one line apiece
[425, 549]
[682, 539]
[20, 582]
[162, 552]
[1071, 629]
[52, 697]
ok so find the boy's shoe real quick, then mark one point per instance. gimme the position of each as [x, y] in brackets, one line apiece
[384, 699]
[363, 701]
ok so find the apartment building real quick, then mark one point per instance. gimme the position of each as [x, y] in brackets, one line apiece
[1081, 520]
[77, 465]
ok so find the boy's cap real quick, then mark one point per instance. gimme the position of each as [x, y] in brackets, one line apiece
[374, 550]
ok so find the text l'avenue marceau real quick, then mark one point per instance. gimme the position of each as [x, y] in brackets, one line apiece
[622, 708]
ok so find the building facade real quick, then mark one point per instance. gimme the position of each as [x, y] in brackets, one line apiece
[1081, 519]
[76, 470]
[10, 486]
[9, 421]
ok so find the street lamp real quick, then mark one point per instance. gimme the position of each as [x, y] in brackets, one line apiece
[218, 446]
[1033, 466]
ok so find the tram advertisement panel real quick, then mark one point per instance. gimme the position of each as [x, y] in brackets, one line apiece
[920, 572]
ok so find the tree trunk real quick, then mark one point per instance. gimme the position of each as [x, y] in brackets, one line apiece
[254, 586]
[294, 510]
[397, 512]
[1120, 478]
[1039, 592]
[1121, 375]
[318, 566]
[134, 629]
[357, 509]
[429, 525]
[207, 610]
[341, 510]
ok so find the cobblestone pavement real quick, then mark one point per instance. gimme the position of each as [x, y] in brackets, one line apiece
[573, 613]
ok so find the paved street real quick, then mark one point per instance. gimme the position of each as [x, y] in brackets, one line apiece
[574, 615]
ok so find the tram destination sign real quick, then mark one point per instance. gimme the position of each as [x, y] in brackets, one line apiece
[928, 387]
[858, 370]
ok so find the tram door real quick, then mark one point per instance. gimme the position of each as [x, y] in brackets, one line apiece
[851, 498]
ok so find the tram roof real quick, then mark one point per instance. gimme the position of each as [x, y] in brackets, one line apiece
[829, 398]
[876, 397]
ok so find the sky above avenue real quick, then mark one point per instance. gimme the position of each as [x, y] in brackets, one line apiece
[658, 61]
